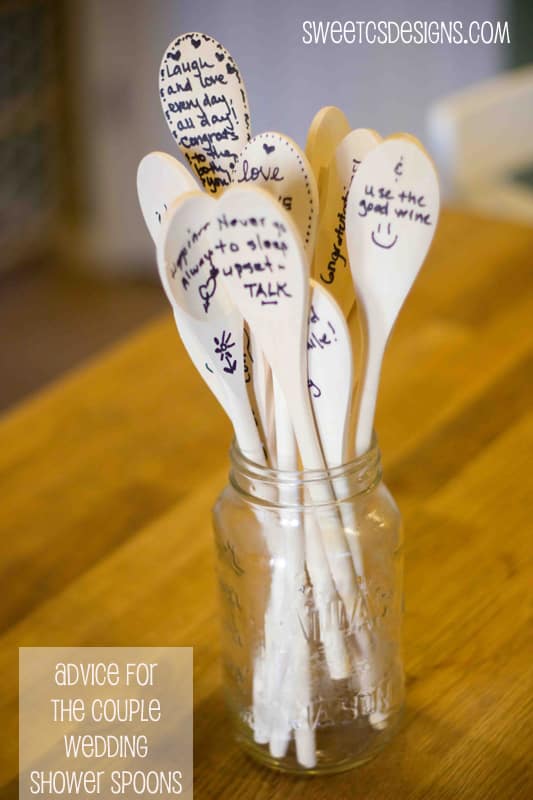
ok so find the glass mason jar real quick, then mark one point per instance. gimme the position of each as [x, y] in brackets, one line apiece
[310, 568]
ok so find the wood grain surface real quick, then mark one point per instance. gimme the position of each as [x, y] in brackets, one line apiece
[108, 478]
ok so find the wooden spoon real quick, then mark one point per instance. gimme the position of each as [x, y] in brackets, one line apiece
[328, 128]
[206, 109]
[277, 164]
[214, 325]
[331, 265]
[266, 275]
[330, 363]
[391, 216]
[161, 180]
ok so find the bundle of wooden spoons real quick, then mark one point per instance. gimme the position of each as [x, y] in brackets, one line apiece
[304, 260]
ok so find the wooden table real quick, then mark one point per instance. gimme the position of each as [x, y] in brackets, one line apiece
[109, 475]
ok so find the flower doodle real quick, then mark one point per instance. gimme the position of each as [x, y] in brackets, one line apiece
[223, 349]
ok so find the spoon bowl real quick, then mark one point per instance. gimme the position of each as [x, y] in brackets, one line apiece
[205, 105]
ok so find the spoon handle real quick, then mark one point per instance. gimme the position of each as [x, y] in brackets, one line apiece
[373, 349]
[314, 554]
[262, 392]
[321, 492]
[247, 435]
[291, 576]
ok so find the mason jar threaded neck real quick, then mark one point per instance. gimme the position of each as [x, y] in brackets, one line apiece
[265, 485]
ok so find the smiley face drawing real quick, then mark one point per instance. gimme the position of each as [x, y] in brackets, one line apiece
[389, 242]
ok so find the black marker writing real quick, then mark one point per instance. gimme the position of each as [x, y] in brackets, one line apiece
[247, 355]
[252, 174]
[405, 205]
[321, 339]
[313, 389]
[223, 349]
[206, 111]
[262, 251]
[269, 293]
[159, 214]
[336, 251]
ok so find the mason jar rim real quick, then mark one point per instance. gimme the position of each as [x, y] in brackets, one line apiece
[354, 477]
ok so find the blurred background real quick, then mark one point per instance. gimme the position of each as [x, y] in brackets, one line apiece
[79, 107]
